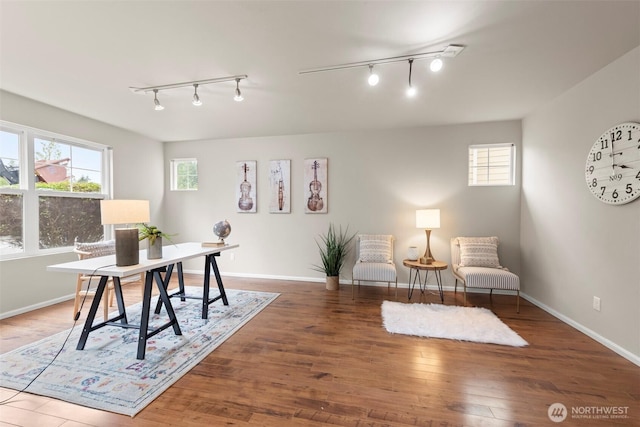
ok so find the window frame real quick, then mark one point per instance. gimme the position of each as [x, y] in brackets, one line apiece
[31, 195]
[174, 176]
[472, 170]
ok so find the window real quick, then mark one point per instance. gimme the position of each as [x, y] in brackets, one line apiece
[184, 174]
[492, 164]
[53, 198]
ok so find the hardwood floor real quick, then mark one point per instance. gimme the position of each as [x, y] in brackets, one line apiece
[316, 358]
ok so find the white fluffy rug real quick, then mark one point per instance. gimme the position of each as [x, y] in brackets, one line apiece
[445, 321]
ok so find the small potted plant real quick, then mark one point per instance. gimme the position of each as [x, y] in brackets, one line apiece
[333, 252]
[154, 235]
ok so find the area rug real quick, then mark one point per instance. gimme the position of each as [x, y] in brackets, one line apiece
[106, 375]
[452, 322]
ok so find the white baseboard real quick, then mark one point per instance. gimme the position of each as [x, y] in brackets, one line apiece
[588, 332]
[37, 306]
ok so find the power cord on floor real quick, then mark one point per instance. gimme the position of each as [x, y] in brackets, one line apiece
[75, 322]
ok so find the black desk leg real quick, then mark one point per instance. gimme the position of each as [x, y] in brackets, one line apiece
[167, 279]
[210, 261]
[164, 296]
[144, 319]
[214, 264]
[92, 312]
[120, 300]
[181, 282]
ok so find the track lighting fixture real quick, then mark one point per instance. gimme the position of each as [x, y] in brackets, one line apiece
[196, 99]
[451, 51]
[373, 77]
[159, 106]
[195, 84]
[411, 91]
[238, 97]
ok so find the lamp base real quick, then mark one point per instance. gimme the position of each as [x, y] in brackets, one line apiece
[426, 260]
[127, 247]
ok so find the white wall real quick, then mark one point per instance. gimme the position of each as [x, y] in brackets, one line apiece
[376, 182]
[575, 247]
[138, 174]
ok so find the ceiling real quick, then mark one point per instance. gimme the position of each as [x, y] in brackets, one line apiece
[82, 56]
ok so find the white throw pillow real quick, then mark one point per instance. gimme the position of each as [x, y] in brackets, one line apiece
[375, 248]
[479, 252]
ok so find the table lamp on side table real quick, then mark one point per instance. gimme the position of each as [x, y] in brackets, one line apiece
[427, 219]
[125, 212]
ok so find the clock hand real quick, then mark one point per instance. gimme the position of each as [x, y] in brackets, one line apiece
[622, 166]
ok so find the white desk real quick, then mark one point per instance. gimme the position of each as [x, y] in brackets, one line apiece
[105, 267]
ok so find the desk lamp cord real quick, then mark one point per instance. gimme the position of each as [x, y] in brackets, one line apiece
[75, 321]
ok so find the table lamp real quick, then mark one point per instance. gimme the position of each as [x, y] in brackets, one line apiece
[125, 212]
[427, 219]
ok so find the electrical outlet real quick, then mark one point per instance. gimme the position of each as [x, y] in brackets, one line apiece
[596, 303]
[232, 257]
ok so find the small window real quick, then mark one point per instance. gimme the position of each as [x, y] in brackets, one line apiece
[184, 174]
[492, 164]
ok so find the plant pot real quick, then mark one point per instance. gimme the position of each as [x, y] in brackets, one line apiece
[154, 251]
[333, 283]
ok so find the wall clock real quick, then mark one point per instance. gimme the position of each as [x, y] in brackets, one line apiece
[613, 165]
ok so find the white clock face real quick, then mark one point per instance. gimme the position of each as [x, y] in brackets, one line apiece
[613, 165]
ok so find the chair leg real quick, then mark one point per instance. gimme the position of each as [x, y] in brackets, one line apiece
[353, 292]
[105, 302]
[78, 298]
[465, 296]
[396, 288]
[455, 289]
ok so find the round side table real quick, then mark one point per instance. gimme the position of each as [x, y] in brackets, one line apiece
[435, 266]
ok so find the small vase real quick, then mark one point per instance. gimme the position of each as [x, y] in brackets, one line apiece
[333, 283]
[154, 251]
[412, 253]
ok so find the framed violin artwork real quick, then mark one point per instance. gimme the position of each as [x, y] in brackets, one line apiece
[315, 185]
[280, 186]
[246, 186]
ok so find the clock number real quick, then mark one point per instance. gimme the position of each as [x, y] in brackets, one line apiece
[616, 136]
[629, 139]
[591, 169]
[638, 175]
[629, 189]
[614, 194]
[594, 183]
[602, 188]
[604, 144]
[597, 156]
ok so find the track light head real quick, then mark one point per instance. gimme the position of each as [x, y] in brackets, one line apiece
[238, 97]
[411, 91]
[196, 99]
[436, 65]
[373, 77]
[158, 106]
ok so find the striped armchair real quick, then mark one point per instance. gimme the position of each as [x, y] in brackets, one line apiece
[374, 261]
[475, 263]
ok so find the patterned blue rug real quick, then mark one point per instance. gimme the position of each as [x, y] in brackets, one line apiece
[106, 374]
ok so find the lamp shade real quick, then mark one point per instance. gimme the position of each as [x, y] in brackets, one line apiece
[428, 218]
[124, 211]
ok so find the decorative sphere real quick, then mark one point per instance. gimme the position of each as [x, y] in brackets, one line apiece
[222, 229]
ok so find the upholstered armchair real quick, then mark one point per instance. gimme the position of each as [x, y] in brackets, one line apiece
[476, 264]
[374, 261]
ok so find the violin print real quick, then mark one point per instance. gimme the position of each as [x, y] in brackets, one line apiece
[315, 173]
[280, 188]
[246, 186]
